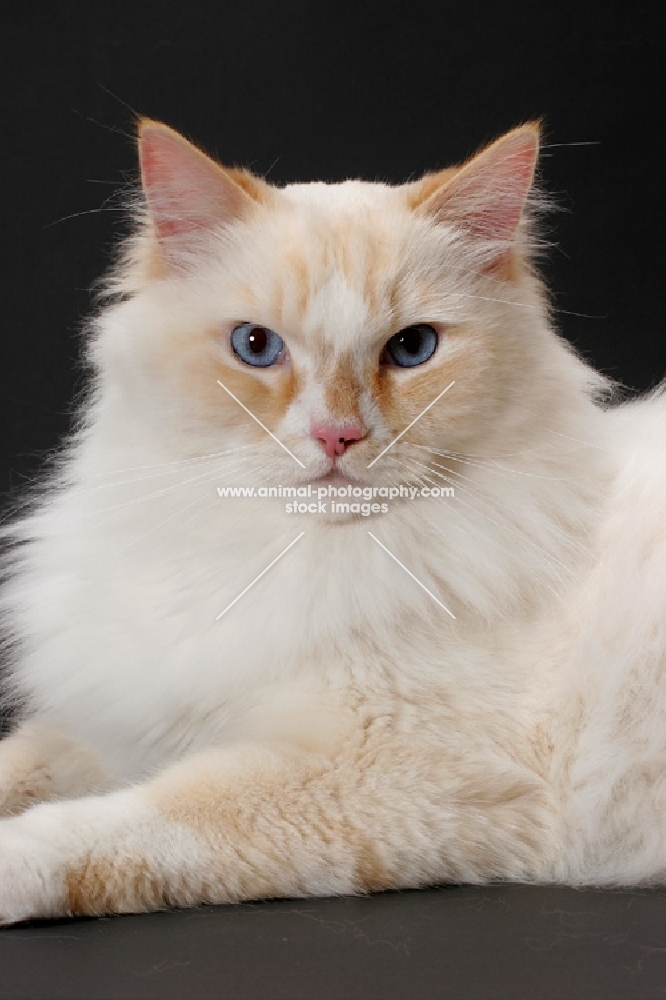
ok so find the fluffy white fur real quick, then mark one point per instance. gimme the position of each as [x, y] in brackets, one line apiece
[336, 731]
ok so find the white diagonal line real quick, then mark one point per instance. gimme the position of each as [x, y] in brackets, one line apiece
[409, 573]
[258, 577]
[412, 424]
[263, 426]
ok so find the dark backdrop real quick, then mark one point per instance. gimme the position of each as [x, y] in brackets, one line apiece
[314, 88]
[332, 88]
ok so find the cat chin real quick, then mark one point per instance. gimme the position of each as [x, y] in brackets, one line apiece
[336, 478]
[333, 476]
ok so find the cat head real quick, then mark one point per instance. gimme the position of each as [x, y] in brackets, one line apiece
[331, 315]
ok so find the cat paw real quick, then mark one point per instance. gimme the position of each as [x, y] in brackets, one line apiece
[32, 881]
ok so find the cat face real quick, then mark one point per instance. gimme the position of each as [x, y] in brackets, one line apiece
[335, 314]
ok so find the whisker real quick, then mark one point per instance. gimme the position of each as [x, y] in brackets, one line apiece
[522, 536]
[524, 305]
[205, 476]
[206, 498]
[465, 521]
[168, 468]
[161, 524]
[496, 504]
[588, 444]
[490, 465]
[87, 211]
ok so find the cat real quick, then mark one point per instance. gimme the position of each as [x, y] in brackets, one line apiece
[223, 699]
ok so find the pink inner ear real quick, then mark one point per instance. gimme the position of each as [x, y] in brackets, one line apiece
[508, 190]
[488, 195]
[185, 190]
[160, 183]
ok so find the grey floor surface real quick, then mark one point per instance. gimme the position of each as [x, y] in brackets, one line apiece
[460, 942]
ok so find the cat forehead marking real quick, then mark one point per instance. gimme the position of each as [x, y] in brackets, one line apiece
[340, 257]
[347, 195]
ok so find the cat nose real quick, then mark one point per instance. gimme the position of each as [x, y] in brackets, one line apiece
[336, 440]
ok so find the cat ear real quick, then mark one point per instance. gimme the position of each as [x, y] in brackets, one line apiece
[188, 193]
[487, 195]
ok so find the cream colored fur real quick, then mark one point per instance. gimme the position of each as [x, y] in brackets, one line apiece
[335, 731]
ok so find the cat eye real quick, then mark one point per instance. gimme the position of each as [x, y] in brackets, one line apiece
[256, 345]
[412, 346]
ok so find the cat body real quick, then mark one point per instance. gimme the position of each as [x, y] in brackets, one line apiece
[460, 689]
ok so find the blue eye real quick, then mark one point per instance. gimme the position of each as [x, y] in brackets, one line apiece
[256, 345]
[413, 345]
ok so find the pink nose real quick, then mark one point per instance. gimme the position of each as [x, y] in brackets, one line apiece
[336, 440]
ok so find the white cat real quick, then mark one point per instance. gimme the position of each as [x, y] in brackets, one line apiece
[222, 699]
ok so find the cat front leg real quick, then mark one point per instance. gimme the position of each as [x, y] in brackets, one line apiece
[39, 763]
[248, 823]
[218, 827]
